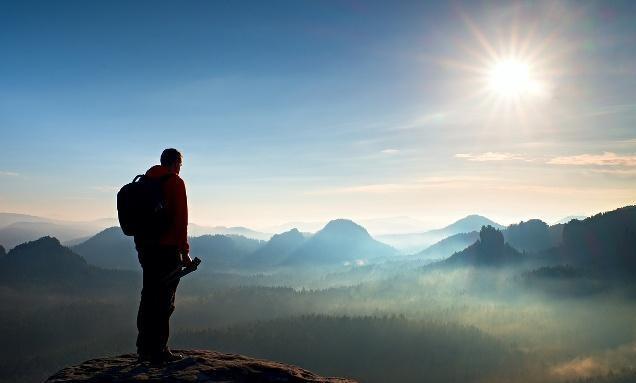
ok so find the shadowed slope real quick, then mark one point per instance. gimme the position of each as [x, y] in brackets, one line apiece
[110, 249]
[46, 264]
[277, 249]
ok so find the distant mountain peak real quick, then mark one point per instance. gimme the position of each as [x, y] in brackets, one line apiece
[43, 243]
[474, 216]
[44, 256]
[474, 219]
[340, 241]
[343, 226]
[473, 222]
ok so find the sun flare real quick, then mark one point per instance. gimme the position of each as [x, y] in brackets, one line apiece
[513, 79]
[507, 74]
[509, 78]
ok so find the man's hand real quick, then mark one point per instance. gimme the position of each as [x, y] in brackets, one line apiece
[185, 259]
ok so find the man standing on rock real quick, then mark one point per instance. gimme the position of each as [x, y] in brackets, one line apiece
[159, 255]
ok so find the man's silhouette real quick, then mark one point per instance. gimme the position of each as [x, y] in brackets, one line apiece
[159, 256]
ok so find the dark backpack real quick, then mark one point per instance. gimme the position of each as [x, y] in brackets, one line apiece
[141, 207]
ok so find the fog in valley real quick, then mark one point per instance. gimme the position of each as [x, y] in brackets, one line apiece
[520, 303]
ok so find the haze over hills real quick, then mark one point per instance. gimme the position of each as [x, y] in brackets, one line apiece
[302, 226]
[530, 236]
[111, 248]
[416, 242]
[466, 224]
[195, 230]
[468, 289]
[375, 226]
[449, 245]
[19, 228]
[340, 241]
[20, 232]
[604, 243]
[7, 219]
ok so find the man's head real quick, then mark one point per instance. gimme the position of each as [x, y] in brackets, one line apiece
[172, 159]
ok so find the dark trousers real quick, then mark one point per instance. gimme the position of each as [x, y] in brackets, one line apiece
[157, 298]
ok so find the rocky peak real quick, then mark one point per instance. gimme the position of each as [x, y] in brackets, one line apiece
[491, 239]
[197, 366]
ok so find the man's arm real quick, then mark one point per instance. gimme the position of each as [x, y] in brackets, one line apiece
[181, 220]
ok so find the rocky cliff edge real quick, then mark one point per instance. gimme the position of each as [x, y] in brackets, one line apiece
[197, 366]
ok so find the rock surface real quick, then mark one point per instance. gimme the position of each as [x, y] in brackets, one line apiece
[197, 366]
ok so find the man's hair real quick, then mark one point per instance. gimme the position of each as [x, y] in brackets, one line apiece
[170, 156]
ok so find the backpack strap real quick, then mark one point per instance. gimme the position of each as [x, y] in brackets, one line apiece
[162, 179]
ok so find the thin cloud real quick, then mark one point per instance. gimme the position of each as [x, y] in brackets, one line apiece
[605, 159]
[421, 184]
[8, 174]
[491, 156]
[390, 151]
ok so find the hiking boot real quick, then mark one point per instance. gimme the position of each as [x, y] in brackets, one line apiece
[161, 357]
[168, 356]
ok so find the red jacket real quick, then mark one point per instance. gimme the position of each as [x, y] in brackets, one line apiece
[177, 205]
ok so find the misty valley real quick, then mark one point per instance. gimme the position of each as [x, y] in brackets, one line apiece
[471, 302]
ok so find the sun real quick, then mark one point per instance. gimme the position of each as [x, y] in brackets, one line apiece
[512, 78]
[509, 77]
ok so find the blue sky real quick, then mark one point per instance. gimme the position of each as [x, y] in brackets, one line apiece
[294, 110]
